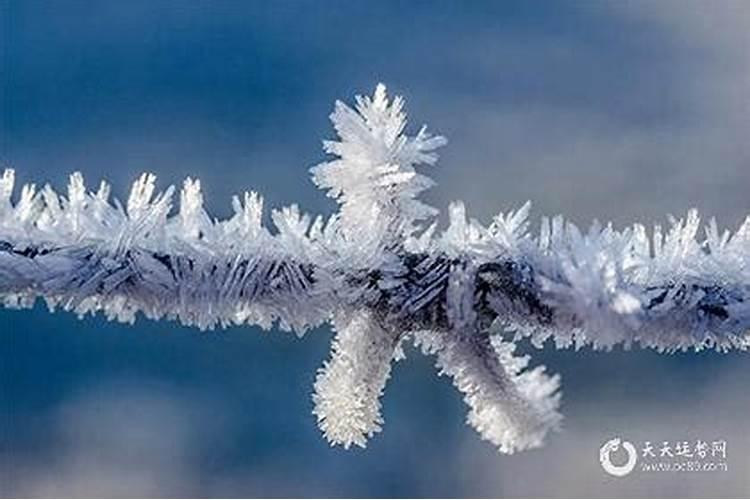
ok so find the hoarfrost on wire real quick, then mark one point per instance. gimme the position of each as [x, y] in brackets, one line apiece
[381, 273]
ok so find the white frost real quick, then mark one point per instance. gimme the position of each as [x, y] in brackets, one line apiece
[381, 272]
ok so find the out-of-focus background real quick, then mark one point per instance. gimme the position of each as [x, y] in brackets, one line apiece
[619, 111]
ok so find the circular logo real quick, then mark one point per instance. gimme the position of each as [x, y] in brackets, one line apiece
[611, 446]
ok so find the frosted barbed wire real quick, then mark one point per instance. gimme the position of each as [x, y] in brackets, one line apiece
[382, 276]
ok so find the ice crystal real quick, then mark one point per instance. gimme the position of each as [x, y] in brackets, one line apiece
[381, 273]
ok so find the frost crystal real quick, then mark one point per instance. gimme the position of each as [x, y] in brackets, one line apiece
[380, 272]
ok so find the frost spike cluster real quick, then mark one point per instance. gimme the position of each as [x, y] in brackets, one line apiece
[382, 274]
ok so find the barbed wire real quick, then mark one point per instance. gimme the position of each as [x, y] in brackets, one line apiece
[381, 273]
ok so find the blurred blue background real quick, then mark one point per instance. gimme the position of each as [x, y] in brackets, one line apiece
[620, 111]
